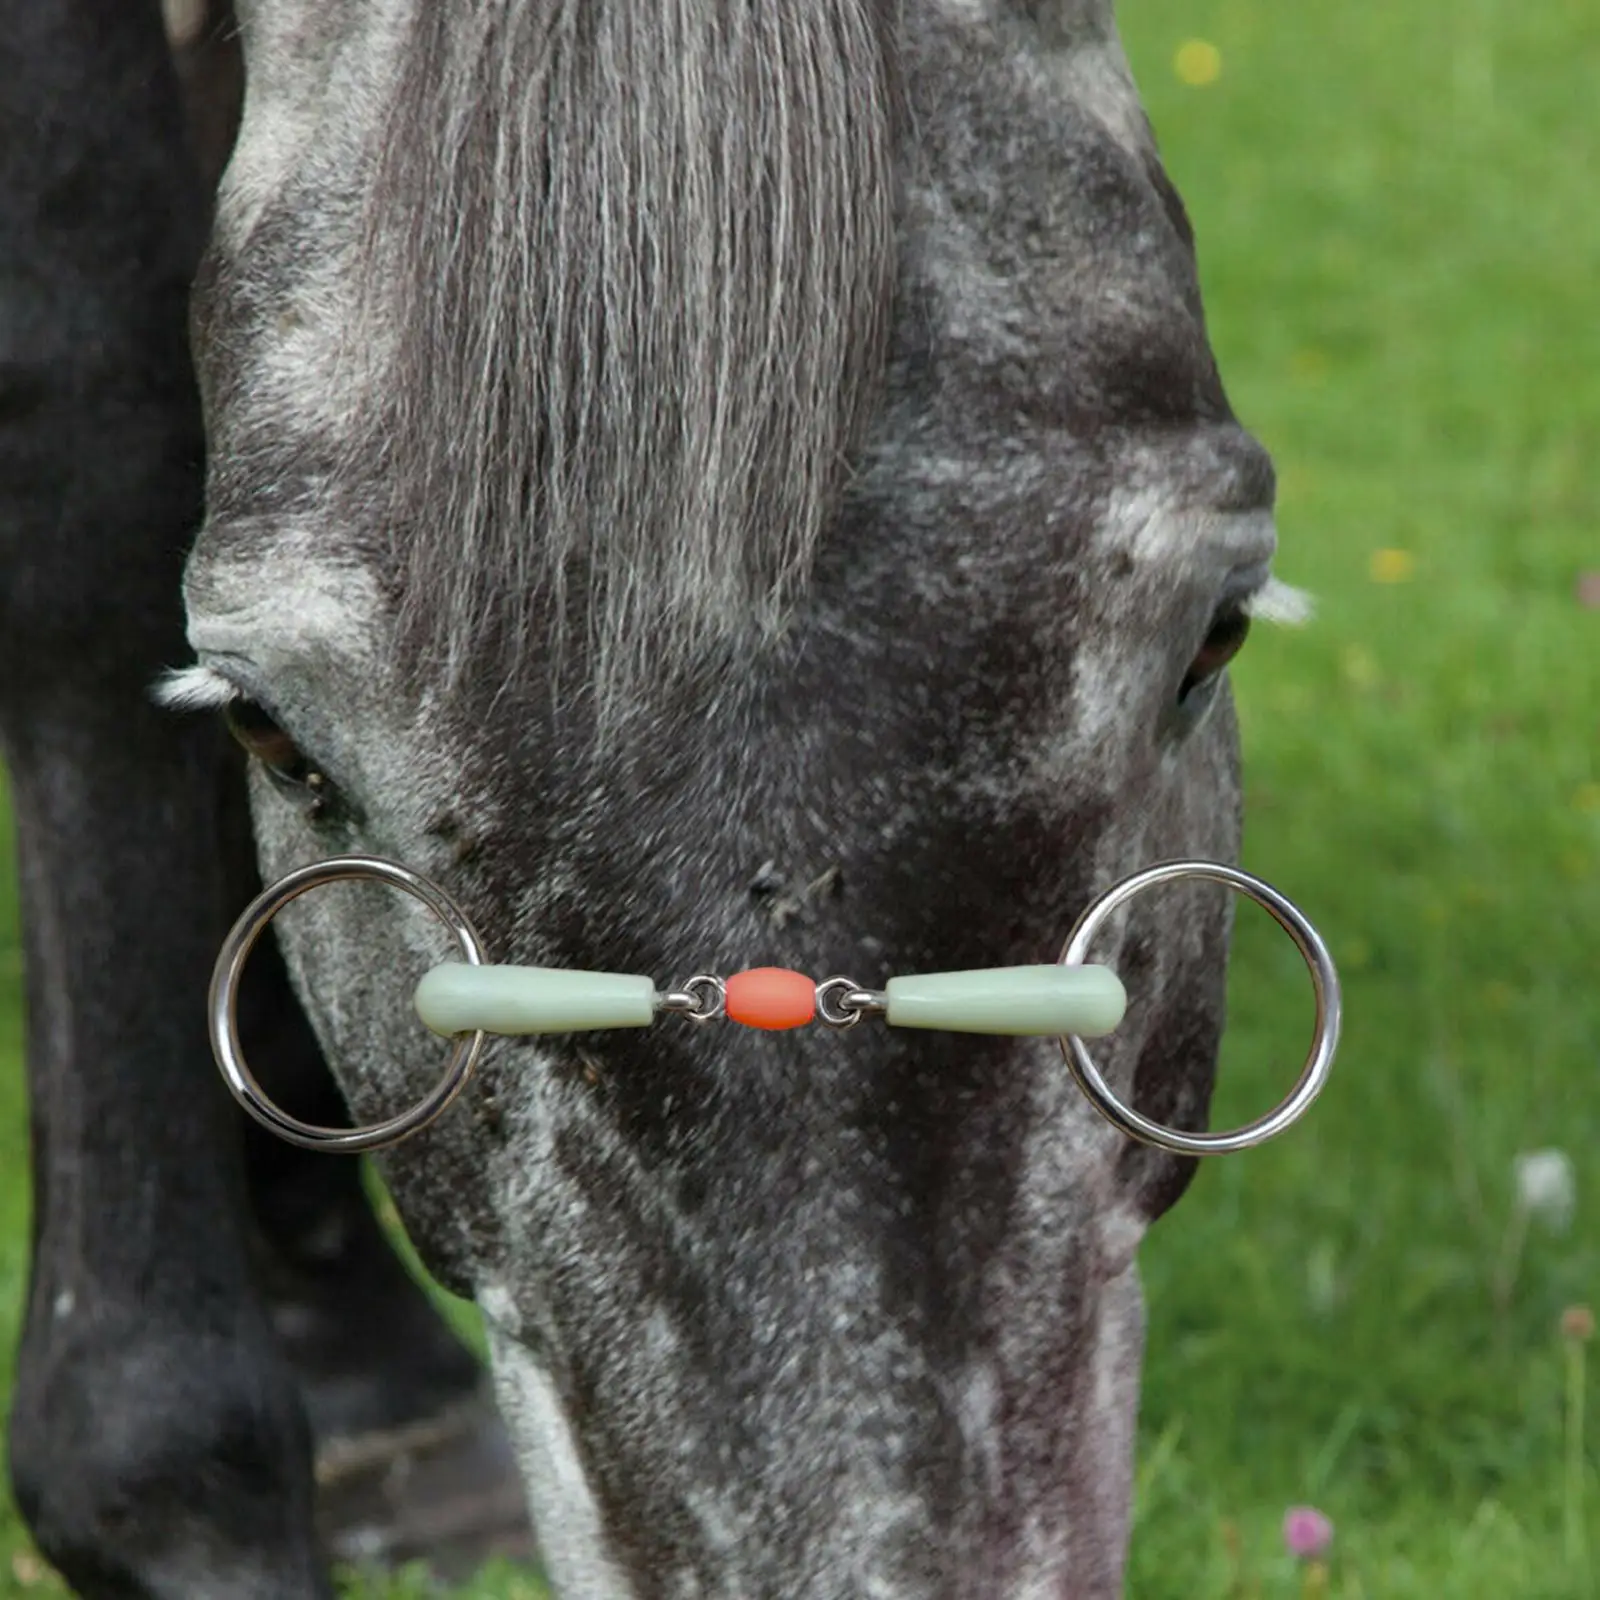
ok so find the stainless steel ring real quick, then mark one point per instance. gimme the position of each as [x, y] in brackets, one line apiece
[223, 1007]
[708, 995]
[1324, 988]
[833, 1003]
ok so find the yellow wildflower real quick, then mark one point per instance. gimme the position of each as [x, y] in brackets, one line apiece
[1197, 63]
[1391, 566]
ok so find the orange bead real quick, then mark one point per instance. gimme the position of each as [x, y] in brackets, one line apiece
[771, 997]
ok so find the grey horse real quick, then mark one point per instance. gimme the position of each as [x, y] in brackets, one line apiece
[713, 483]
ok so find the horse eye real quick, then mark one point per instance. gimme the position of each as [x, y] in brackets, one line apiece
[1229, 629]
[285, 763]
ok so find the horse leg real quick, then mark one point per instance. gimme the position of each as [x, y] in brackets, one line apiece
[157, 1443]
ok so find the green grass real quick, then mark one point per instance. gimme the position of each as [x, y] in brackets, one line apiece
[1400, 241]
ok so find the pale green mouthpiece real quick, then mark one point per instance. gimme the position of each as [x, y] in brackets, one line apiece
[457, 998]
[1053, 1000]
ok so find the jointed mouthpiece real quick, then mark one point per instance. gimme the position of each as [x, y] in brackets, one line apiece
[470, 999]
[1045, 1001]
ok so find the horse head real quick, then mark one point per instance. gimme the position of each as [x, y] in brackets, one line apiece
[714, 485]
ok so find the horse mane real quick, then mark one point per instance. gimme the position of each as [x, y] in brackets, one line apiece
[634, 262]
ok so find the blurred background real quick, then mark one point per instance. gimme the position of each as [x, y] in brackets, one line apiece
[1379, 1317]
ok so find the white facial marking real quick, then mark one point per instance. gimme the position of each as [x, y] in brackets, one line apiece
[1121, 1235]
[325, 358]
[571, 1537]
[1178, 538]
[1092, 68]
[978, 1412]
[1116, 1359]
[1154, 526]
[281, 604]
[299, 68]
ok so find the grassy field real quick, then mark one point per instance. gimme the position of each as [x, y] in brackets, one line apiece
[1400, 238]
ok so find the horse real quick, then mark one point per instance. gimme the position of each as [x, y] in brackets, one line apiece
[705, 483]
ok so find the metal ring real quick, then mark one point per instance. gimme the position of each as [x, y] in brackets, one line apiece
[223, 1007]
[708, 998]
[1324, 987]
[834, 1009]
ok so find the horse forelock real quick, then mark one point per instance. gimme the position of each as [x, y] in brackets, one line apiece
[587, 206]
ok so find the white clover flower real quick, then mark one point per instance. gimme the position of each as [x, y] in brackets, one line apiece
[1546, 1187]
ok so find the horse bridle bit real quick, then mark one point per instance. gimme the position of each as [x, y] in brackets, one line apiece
[470, 999]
